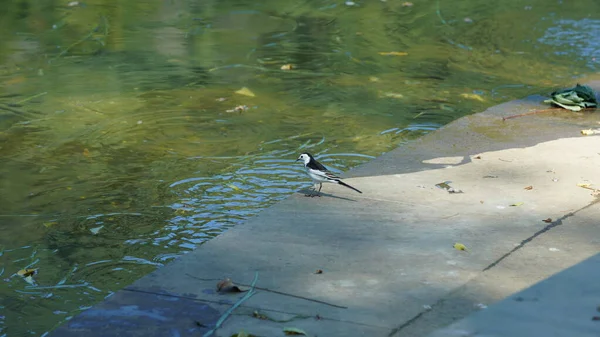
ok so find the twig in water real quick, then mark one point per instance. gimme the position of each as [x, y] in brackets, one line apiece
[32, 97]
[237, 304]
[275, 292]
[15, 111]
[439, 13]
[90, 34]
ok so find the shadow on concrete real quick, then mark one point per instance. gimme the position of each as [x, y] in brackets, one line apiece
[309, 194]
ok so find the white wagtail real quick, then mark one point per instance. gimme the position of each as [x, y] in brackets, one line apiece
[319, 173]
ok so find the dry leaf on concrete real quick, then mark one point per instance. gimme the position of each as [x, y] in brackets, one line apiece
[258, 315]
[227, 286]
[294, 331]
[460, 246]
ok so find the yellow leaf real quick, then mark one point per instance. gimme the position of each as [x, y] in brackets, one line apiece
[393, 53]
[517, 204]
[287, 67]
[392, 95]
[50, 224]
[235, 188]
[584, 185]
[86, 152]
[246, 92]
[460, 246]
[27, 272]
[473, 97]
[589, 132]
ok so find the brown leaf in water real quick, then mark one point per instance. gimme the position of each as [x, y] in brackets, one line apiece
[547, 220]
[319, 271]
[86, 153]
[227, 286]
[529, 188]
[478, 157]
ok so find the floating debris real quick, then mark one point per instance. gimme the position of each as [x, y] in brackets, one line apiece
[246, 92]
[239, 108]
[393, 53]
[474, 97]
[96, 230]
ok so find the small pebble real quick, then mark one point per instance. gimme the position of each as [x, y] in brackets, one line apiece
[552, 249]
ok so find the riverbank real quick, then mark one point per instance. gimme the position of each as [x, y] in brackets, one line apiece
[382, 263]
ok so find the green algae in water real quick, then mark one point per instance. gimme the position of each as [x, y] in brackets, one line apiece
[114, 115]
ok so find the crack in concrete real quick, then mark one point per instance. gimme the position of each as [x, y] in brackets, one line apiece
[554, 224]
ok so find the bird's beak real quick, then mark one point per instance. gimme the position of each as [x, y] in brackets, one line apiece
[297, 159]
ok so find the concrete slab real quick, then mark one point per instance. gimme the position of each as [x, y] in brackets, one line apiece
[563, 305]
[386, 255]
[571, 241]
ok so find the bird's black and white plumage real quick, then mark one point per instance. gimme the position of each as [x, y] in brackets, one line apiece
[319, 173]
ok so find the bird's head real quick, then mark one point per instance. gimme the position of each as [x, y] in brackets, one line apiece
[305, 157]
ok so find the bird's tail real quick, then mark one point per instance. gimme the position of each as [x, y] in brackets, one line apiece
[344, 184]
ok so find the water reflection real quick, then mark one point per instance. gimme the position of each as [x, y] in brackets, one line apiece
[575, 38]
[120, 144]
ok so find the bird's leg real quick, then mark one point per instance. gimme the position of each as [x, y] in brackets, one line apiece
[319, 191]
[313, 188]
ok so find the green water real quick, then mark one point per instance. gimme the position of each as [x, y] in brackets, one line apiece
[119, 149]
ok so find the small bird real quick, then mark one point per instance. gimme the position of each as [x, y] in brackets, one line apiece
[319, 173]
